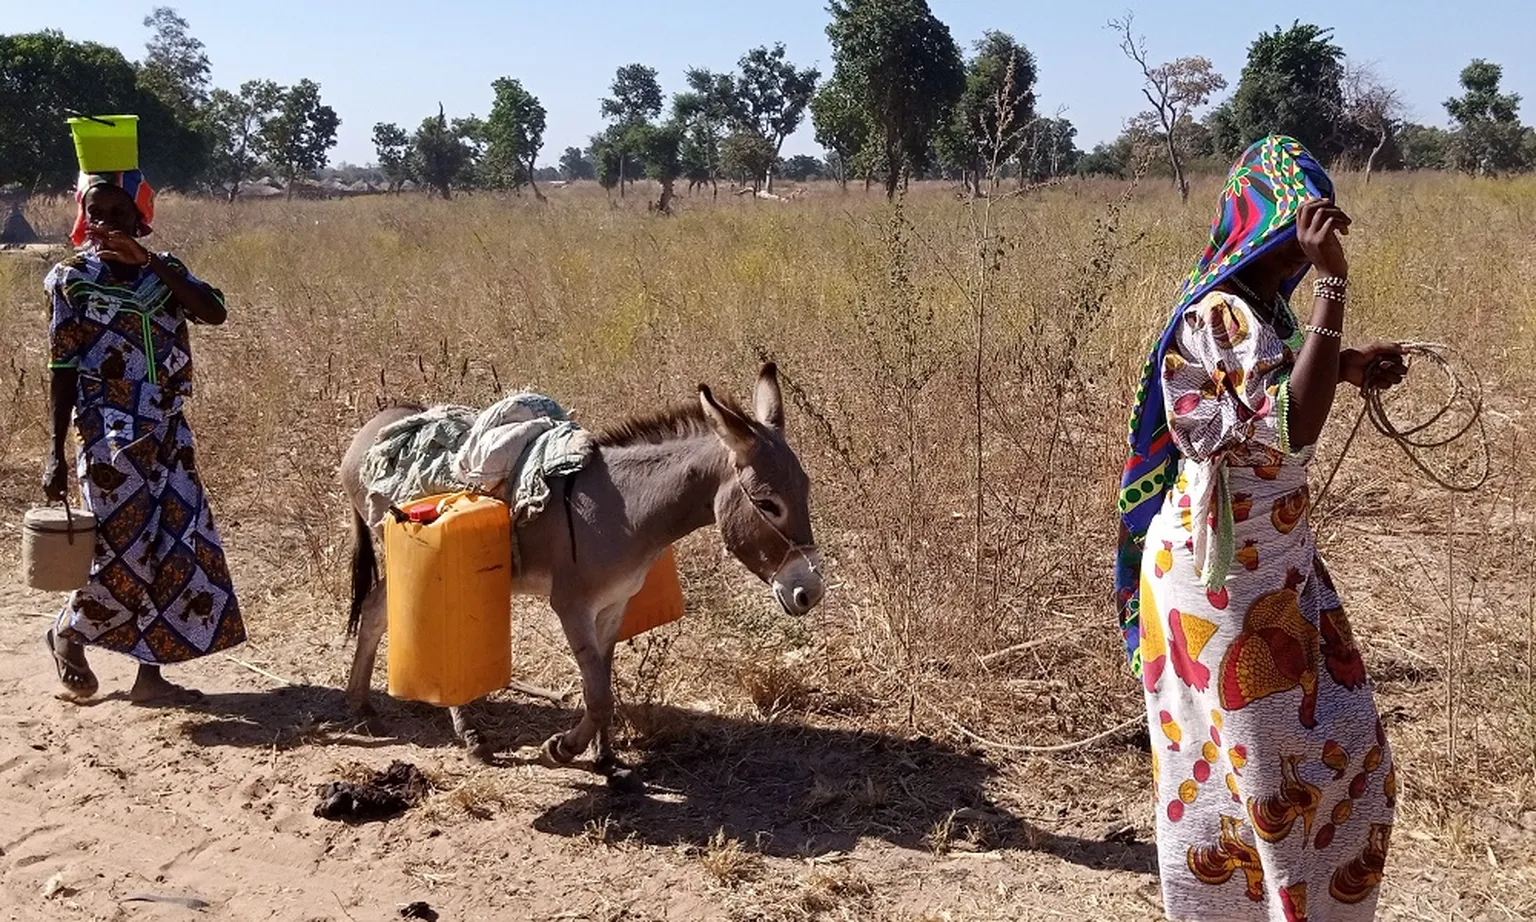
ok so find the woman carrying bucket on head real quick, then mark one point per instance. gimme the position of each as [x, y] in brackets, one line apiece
[159, 589]
[1275, 786]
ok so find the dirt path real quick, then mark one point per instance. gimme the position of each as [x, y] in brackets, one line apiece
[746, 819]
[112, 801]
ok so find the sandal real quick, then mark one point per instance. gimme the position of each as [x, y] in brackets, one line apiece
[79, 682]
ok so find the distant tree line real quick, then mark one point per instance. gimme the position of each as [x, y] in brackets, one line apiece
[903, 101]
[1298, 81]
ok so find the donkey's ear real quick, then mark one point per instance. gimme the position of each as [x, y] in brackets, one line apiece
[734, 431]
[768, 400]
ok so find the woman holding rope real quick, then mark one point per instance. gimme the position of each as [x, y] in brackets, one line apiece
[1275, 785]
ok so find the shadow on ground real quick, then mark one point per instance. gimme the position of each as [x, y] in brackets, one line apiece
[786, 790]
[780, 788]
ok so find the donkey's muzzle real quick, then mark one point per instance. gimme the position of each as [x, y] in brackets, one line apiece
[798, 585]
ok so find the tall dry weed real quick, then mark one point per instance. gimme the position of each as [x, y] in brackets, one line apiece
[872, 312]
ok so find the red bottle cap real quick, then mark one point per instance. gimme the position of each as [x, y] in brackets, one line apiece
[422, 513]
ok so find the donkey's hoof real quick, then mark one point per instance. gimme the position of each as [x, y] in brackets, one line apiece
[478, 747]
[553, 753]
[625, 781]
[365, 717]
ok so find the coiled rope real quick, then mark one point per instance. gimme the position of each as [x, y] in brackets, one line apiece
[1463, 390]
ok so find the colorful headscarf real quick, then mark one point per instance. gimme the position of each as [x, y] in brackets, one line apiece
[131, 182]
[1259, 203]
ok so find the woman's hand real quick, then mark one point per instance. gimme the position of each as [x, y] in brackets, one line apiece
[1377, 364]
[56, 480]
[1318, 226]
[116, 246]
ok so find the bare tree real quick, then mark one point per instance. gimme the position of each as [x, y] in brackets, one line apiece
[1175, 90]
[1374, 105]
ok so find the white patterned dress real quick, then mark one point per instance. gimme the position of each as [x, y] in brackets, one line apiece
[1275, 785]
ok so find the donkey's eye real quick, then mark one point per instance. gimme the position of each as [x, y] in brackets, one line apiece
[769, 507]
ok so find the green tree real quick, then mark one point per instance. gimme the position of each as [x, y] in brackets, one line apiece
[1112, 159]
[747, 156]
[175, 71]
[904, 68]
[605, 155]
[441, 154]
[574, 165]
[800, 168]
[661, 147]
[1292, 84]
[701, 160]
[995, 110]
[392, 146]
[841, 126]
[1489, 137]
[1145, 144]
[515, 135]
[870, 164]
[233, 124]
[299, 134]
[710, 106]
[1425, 147]
[175, 68]
[1175, 90]
[774, 96]
[635, 101]
[472, 130]
[1049, 150]
[636, 95]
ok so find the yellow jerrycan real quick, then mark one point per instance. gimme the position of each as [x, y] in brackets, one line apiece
[659, 601]
[448, 565]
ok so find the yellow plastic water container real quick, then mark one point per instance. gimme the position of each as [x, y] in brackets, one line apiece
[659, 601]
[449, 572]
[106, 143]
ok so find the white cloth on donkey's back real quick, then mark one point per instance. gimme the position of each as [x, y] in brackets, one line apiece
[414, 458]
[512, 449]
[500, 435]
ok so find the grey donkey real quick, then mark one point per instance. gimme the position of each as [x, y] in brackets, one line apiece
[653, 480]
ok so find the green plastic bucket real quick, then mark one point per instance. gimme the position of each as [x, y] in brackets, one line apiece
[106, 143]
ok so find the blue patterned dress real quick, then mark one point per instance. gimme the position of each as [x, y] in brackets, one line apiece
[159, 588]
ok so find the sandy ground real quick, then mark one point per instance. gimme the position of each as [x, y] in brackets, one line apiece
[111, 802]
[115, 811]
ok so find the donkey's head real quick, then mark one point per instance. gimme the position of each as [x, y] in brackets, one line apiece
[763, 509]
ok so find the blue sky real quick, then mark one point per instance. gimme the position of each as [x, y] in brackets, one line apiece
[386, 60]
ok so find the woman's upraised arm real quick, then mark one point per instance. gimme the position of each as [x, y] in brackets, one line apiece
[1316, 375]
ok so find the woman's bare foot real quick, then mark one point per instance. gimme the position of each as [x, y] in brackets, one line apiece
[75, 673]
[152, 688]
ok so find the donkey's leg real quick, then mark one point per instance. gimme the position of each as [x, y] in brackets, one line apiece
[370, 631]
[606, 762]
[621, 777]
[580, 627]
[474, 741]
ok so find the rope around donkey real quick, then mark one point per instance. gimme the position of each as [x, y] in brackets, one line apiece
[1465, 387]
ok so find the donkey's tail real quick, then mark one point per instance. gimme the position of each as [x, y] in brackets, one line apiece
[365, 570]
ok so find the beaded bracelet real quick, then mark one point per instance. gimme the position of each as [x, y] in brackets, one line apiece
[1322, 331]
[1332, 288]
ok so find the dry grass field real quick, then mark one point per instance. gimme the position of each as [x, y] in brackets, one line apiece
[885, 758]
